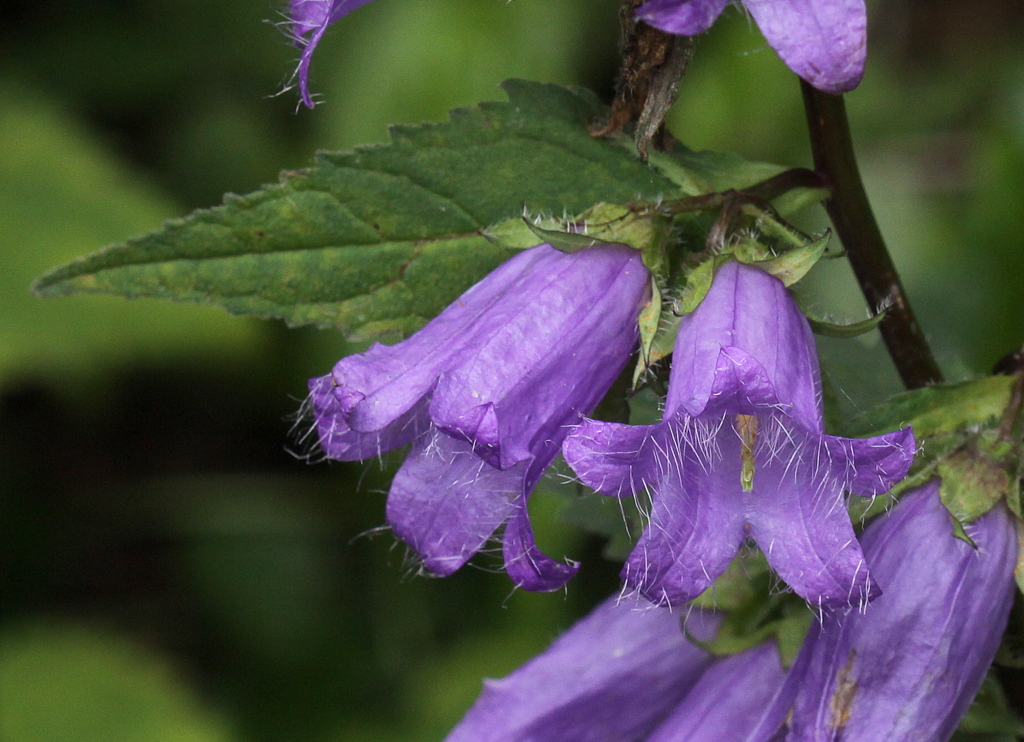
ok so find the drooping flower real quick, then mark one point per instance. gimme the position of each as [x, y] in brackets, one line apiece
[823, 41]
[615, 675]
[742, 452]
[308, 21]
[631, 671]
[910, 664]
[485, 394]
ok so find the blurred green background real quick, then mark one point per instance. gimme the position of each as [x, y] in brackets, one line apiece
[169, 570]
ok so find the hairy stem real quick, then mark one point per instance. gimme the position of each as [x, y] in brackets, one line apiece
[855, 224]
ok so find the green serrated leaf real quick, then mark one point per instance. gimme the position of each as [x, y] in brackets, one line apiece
[380, 239]
[945, 419]
[690, 183]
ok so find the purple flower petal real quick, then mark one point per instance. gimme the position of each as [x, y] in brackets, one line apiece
[446, 503]
[612, 676]
[823, 41]
[797, 515]
[309, 20]
[874, 465]
[728, 701]
[696, 520]
[909, 664]
[378, 387]
[747, 338]
[510, 393]
[527, 566]
[681, 17]
[340, 442]
[613, 458]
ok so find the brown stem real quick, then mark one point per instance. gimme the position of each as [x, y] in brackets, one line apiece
[784, 182]
[855, 224]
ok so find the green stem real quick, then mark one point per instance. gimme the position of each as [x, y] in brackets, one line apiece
[851, 214]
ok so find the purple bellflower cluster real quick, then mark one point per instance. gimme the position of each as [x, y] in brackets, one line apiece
[742, 452]
[631, 673]
[823, 41]
[485, 393]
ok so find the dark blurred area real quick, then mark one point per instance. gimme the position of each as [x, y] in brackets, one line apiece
[171, 565]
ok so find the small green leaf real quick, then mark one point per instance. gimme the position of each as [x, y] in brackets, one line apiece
[959, 531]
[519, 233]
[569, 242]
[647, 231]
[698, 283]
[793, 265]
[850, 330]
[649, 321]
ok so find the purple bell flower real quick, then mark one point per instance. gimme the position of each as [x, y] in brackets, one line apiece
[630, 671]
[615, 675]
[308, 21]
[742, 452]
[823, 41]
[909, 665]
[485, 393]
